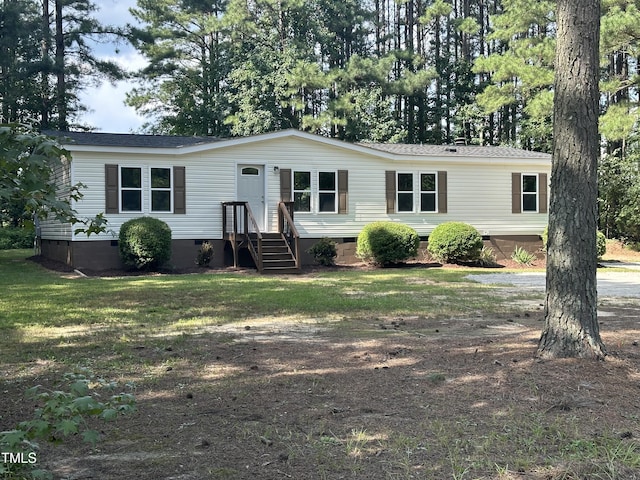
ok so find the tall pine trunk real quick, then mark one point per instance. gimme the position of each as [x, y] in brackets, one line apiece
[61, 88]
[571, 322]
[45, 49]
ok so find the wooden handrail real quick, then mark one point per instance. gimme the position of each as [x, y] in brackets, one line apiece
[287, 228]
[242, 230]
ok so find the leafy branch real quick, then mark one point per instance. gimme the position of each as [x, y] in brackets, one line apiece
[62, 413]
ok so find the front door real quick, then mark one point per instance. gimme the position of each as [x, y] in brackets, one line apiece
[251, 189]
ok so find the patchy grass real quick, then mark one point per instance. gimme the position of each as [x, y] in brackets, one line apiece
[409, 373]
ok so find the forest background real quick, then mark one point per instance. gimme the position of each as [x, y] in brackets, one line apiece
[410, 71]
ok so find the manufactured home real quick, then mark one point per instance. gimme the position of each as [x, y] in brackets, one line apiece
[267, 198]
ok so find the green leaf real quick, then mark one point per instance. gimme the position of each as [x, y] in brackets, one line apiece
[90, 436]
[87, 404]
[109, 414]
[67, 427]
[12, 438]
[80, 387]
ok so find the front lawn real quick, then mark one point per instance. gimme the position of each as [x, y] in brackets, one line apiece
[412, 373]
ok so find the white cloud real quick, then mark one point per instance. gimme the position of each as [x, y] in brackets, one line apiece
[108, 113]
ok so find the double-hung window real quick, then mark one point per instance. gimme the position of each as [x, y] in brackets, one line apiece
[302, 191]
[327, 192]
[428, 192]
[405, 192]
[529, 192]
[145, 189]
[416, 192]
[130, 189]
[161, 186]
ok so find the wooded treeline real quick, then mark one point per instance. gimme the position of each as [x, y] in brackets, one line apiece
[382, 70]
[411, 71]
[46, 59]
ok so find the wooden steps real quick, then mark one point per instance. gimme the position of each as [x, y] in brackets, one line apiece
[276, 254]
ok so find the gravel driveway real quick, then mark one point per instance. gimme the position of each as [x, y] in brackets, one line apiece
[610, 283]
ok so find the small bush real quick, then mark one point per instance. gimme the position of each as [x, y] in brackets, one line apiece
[522, 256]
[455, 242]
[386, 243]
[324, 252]
[601, 241]
[145, 243]
[487, 257]
[205, 254]
[12, 238]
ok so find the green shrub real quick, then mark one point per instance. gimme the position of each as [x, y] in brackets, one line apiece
[65, 412]
[601, 241]
[145, 243]
[386, 243]
[522, 256]
[205, 254]
[12, 237]
[454, 242]
[324, 252]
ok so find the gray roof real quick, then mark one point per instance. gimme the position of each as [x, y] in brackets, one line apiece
[454, 150]
[174, 141]
[129, 139]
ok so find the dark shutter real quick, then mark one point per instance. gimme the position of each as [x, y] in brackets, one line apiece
[390, 186]
[343, 191]
[442, 192]
[542, 196]
[179, 191]
[111, 188]
[516, 193]
[285, 184]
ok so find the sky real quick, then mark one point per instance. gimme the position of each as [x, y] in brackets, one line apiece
[107, 111]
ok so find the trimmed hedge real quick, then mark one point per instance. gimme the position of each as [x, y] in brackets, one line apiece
[386, 243]
[15, 237]
[454, 242]
[145, 243]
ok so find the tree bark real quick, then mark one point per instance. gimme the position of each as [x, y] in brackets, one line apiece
[571, 323]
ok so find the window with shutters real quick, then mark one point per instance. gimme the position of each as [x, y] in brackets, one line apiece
[142, 189]
[317, 192]
[416, 192]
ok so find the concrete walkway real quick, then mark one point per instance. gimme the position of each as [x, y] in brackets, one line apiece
[610, 283]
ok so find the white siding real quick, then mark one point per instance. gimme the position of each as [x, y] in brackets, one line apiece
[208, 184]
[52, 229]
[479, 190]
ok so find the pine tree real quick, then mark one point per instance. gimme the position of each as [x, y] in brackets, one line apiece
[571, 320]
[187, 46]
[521, 74]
